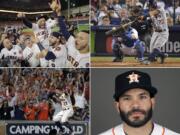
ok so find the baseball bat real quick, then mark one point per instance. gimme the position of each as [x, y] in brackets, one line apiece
[120, 28]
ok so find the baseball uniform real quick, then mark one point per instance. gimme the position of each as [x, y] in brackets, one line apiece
[60, 56]
[43, 34]
[67, 109]
[74, 58]
[161, 33]
[14, 54]
[30, 54]
[157, 130]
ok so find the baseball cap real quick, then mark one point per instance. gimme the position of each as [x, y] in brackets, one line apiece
[133, 79]
[56, 34]
[42, 16]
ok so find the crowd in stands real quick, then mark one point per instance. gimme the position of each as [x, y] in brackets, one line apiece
[24, 93]
[111, 12]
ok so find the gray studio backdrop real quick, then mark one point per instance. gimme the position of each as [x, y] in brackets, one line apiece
[167, 109]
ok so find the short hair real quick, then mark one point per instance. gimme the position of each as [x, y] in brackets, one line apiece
[85, 31]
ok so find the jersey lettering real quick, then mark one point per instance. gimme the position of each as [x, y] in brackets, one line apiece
[72, 61]
[29, 56]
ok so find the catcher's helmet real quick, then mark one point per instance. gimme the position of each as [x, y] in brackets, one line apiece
[125, 21]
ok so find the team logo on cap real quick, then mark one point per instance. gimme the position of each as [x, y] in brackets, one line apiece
[133, 78]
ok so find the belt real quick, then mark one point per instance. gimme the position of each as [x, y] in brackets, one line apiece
[66, 108]
[160, 30]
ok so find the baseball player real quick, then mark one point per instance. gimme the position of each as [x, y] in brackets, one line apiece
[77, 48]
[128, 43]
[66, 113]
[134, 101]
[30, 53]
[160, 31]
[57, 53]
[11, 55]
[41, 29]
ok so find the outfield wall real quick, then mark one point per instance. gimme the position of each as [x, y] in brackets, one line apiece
[39, 128]
[101, 45]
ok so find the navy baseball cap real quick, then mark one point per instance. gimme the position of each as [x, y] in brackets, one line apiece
[133, 79]
[56, 34]
[42, 16]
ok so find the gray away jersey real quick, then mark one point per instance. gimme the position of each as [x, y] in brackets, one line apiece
[160, 21]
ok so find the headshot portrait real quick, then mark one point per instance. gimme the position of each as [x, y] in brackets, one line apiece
[135, 101]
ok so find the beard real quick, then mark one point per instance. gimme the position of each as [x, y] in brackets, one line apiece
[137, 122]
[52, 43]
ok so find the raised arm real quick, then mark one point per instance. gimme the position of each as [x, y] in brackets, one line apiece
[25, 20]
[56, 7]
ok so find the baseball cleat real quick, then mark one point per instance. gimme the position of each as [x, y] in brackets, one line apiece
[163, 57]
[117, 60]
[146, 62]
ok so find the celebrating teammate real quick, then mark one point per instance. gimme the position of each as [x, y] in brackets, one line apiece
[30, 53]
[78, 47]
[41, 29]
[57, 54]
[135, 101]
[11, 55]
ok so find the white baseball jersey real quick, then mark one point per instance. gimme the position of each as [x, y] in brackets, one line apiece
[30, 54]
[13, 54]
[67, 109]
[61, 56]
[158, 130]
[43, 34]
[74, 58]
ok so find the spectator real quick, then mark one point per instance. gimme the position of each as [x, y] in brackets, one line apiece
[93, 18]
[116, 5]
[105, 21]
[30, 111]
[43, 110]
[5, 111]
[161, 3]
[103, 12]
[177, 8]
[19, 113]
[123, 13]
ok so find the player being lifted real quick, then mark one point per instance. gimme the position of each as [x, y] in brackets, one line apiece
[41, 29]
[160, 32]
[78, 47]
[67, 110]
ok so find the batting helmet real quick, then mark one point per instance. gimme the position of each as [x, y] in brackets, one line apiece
[152, 3]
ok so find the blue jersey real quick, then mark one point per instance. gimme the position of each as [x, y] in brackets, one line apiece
[127, 37]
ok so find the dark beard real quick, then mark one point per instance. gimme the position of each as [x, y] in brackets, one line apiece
[52, 44]
[136, 123]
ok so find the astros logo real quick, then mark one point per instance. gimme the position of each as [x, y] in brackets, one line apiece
[133, 78]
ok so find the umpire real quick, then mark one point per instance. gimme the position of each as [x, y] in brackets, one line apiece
[143, 25]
